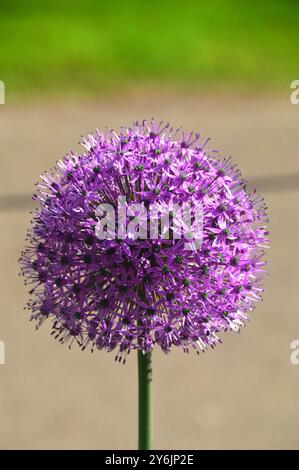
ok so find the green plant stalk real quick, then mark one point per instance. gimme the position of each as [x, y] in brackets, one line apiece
[145, 401]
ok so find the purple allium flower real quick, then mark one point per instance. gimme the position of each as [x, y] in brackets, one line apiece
[125, 294]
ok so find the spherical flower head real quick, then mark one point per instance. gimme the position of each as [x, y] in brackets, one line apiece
[123, 293]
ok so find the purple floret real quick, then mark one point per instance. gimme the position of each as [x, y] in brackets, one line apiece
[126, 294]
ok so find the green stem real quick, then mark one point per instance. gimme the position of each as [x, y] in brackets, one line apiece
[145, 401]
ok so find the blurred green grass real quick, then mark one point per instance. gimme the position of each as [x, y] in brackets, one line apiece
[94, 46]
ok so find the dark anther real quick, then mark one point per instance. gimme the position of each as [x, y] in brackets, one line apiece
[205, 269]
[34, 264]
[58, 281]
[104, 271]
[64, 260]
[51, 256]
[147, 203]
[69, 237]
[166, 269]
[76, 288]
[127, 263]
[235, 261]
[170, 296]
[42, 276]
[246, 267]
[139, 167]
[40, 247]
[87, 258]
[147, 279]
[92, 215]
[96, 170]
[88, 240]
[153, 261]
[156, 248]
[150, 311]
[104, 303]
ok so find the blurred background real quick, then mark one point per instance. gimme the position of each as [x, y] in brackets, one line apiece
[223, 68]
